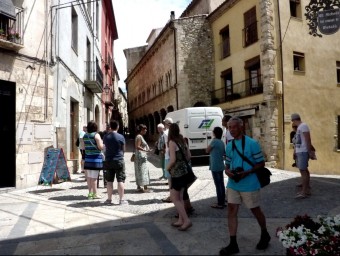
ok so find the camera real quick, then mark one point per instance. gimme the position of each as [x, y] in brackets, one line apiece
[237, 177]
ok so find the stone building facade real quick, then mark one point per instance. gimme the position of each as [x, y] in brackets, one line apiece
[267, 67]
[173, 73]
[26, 92]
[50, 81]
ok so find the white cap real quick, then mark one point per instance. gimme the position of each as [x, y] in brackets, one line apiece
[168, 120]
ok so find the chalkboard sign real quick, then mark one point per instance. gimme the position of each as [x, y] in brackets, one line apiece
[54, 168]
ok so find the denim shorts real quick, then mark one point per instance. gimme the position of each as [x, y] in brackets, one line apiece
[302, 159]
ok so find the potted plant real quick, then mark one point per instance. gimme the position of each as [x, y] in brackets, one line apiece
[304, 236]
[2, 34]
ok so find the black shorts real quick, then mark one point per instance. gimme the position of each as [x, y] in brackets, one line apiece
[185, 181]
[114, 168]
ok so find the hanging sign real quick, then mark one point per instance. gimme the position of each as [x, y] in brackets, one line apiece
[329, 21]
[54, 168]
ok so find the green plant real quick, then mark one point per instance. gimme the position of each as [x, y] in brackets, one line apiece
[303, 236]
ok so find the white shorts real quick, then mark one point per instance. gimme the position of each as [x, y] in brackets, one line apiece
[250, 199]
[92, 173]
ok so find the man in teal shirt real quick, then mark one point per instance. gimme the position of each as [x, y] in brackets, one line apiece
[243, 185]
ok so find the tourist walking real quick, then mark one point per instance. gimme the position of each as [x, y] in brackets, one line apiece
[141, 160]
[181, 179]
[216, 150]
[167, 122]
[82, 149]
[93, 158]
[114, 164]
[303, 151]
[160, 144]
[243, 185]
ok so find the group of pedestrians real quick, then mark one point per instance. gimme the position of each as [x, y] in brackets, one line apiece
[228, 149]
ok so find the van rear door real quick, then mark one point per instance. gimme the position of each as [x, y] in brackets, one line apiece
[201, 123]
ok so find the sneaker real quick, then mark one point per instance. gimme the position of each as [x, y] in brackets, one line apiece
[123, 202]
[95, 196]
[90, 196]
[264, 241]
[229, 250]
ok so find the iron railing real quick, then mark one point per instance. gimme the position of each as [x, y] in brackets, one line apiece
[239, 90]
[93, 72]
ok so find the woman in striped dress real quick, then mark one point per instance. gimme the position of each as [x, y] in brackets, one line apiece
[93, 158]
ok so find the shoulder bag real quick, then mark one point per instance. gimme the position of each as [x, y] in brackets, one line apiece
[190, 176]
[263, 174]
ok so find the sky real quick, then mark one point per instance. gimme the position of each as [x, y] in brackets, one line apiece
[134, 20]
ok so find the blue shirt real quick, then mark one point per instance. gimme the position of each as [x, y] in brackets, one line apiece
[114, 143]
[252, 151]
[216, 155]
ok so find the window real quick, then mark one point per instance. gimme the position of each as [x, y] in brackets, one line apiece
[225, 45]
[253, 73]
[227, 79]
[299, 61]
[97, 19]
[250, 27]
[338, 72]
[74, 42]
[295, 8]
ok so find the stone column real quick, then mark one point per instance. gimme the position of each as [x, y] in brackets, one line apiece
[269, 108]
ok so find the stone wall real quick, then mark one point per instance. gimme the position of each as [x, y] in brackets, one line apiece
[161, 79]
[195, 61]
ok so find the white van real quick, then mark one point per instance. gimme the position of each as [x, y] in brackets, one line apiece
[196, 125]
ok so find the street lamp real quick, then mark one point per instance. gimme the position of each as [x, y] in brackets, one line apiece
[106, 89]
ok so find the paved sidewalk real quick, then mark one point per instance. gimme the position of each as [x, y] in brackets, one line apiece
[60, 220]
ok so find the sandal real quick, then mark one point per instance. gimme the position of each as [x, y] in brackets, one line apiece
[301, 196]
[185, 227]
[175, 224]
[167, 200]
[216, 206]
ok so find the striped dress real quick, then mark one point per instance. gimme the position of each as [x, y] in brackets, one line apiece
[93, 156]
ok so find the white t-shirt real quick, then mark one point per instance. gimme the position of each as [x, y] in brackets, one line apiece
[226, 136]
[299, 139]
[165, 136]
[81, 140]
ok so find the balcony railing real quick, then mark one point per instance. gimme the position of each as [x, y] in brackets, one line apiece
[93, 77]
[11, 29]
[238, 90]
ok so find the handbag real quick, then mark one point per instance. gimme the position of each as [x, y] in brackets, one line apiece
[156, 151]
[133, 156]
[189, 176]
[263, 174]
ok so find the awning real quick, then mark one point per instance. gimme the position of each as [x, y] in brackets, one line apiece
[7, 8]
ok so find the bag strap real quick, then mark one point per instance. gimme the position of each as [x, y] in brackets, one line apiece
[183, 155]
[241, 155]
[91, 141]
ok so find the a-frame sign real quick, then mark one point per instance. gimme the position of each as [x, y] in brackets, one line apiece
[54, 168]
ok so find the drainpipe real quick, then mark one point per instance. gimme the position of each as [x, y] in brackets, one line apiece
[172, 26]
[46, 60]
[281, 59]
